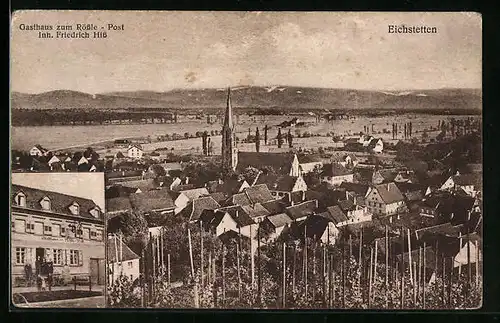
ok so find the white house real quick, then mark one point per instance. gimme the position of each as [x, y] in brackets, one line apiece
[121, 260]
[385, 199]
[135, 151]
[365, 140]
[470, 183]
[38, 150]
[83, 160]
[376, 145]
[335, 174]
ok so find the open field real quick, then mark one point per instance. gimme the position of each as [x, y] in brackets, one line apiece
[64, 137]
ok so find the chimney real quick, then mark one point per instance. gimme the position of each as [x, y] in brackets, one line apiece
[187, 180]
[303, 195]
[290, 199]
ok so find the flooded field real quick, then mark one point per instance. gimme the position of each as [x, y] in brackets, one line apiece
[65, 137]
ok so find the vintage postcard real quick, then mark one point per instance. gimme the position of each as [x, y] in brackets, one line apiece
[58, 240]
[278, 160]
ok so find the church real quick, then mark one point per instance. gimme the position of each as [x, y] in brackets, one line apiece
[234, 160]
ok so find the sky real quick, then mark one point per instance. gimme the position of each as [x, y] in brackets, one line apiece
[86, 185]
[160, 51]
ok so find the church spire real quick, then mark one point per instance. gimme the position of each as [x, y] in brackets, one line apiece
[228, 119]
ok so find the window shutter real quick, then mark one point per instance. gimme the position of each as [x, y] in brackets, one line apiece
[80, 258]
[65, 256]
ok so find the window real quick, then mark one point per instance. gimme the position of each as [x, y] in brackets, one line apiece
[130, 264]
[63, 231]
[38, 228]
[57, 230]
[47, 229]
[74, 257]
[75, 209]
[95, 212]
[20, 256]
[79, 232]
[45, 203]
[99, 235]
[58, 256]
[86, 233]
[20, 199]
[29, 227]
[93, 235]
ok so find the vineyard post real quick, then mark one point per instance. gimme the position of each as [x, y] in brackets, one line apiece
[305, 261]
[151, 242]
[477, 264]
[375, 260]
[469, 269]
[143, 303]
[370, 278]
[419, 280]
[360, 254]
[343, 272]
[153, 278]
[386, 267]
[252, 258]
[402, 266]
[202, 268]
[332, 281]
[294, 268]
[214, 277]
[350, 245]
[284, 275]
[443, 279]
[314, 270]
[191, 253]
[424, 276]
[223, 275]
[415, 284]
[168, 268]
[162, 232]
[450, 281]
[158, 249]
[238, 268]
[259, 282]
[409, 257]
[323, 274]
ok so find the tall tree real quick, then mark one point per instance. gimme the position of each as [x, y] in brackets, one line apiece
[257, 140]
[280, 138]
[204, 143]
[290, 139]
[265, 134]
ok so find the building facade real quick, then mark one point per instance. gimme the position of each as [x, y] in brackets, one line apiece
[50, 227]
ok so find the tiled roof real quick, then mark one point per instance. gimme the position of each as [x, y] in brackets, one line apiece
[279, 220]
[239, 215]
[118, 204]
[258, 193]
[274, 206]
[240, 199]
[301, 210]
[335, 169]
[59, 202]
[142, 184]
[304, 159]
[280, 162]
[219, 197]
[256, 210]
[194, 209]
[195, 193]
[389, 193]
[468, 179]
[283, 183]
[152, 200]
[336, 214]
[358, 188]
[346, 205]
[114, 245]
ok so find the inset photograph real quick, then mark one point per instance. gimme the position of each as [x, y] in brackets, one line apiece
[57, 240]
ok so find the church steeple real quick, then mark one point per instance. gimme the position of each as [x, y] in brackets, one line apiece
[229, 151]
[228, 119]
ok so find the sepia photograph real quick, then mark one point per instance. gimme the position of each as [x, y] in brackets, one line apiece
[257, 160]
[57, 240]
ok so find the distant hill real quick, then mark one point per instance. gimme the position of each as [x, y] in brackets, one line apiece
[289, 98]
